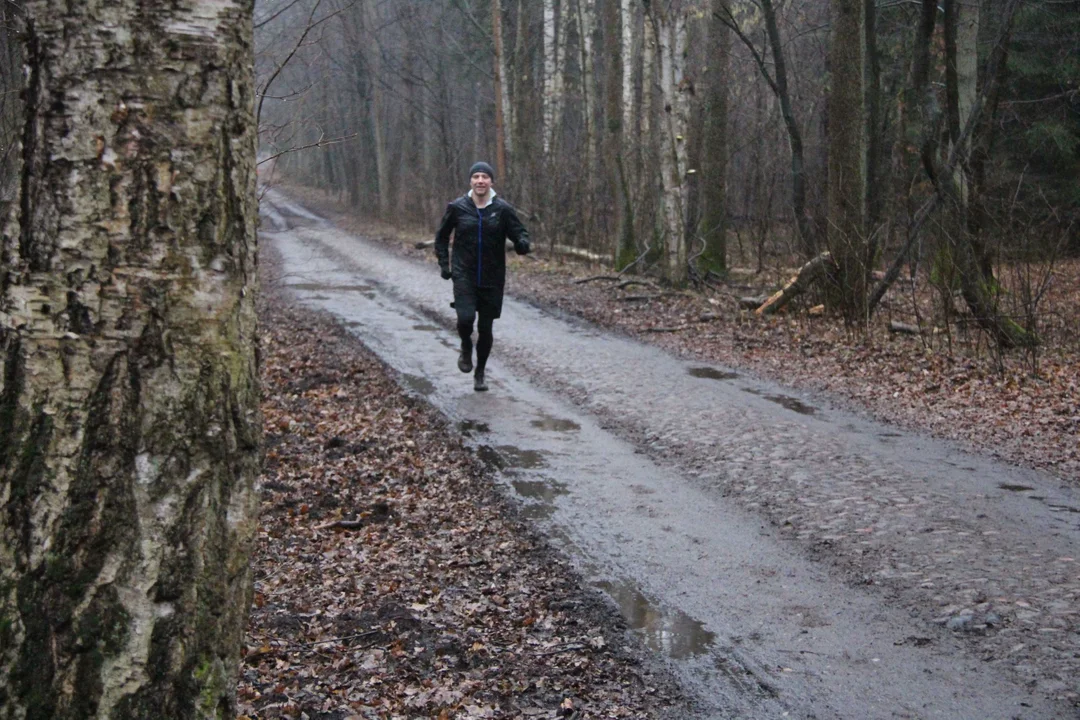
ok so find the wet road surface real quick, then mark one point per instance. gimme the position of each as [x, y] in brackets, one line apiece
[657, 475]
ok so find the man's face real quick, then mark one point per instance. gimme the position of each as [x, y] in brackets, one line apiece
[481, 183]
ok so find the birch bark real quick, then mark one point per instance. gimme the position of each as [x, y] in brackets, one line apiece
[670, 27]
[553, 75]
[129, 403]
[502, 93]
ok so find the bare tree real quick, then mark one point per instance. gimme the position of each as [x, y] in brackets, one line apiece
[669, 25]
[778, 82]
[847, 169]
[714, 219]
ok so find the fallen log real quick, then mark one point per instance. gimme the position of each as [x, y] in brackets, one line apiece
[593, 278]
[627, 283]
[752, 302]
[808, 274]
[895, 326]
[644, 298]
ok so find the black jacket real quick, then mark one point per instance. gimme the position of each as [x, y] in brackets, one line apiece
[480, 236]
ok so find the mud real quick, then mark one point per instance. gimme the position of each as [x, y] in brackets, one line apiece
[811, 544]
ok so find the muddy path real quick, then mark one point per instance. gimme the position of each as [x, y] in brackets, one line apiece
[787, 557]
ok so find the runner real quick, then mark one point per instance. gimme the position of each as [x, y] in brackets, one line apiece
[480, 223]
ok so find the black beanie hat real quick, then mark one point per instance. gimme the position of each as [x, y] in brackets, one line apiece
[481, 167]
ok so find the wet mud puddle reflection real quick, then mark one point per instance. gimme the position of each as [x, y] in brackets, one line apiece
[418, 384]
[667, 631]
[555, 424]
[670, 632]
[709, 373]
[785, 401]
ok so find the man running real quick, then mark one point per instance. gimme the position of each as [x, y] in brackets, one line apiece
[481, 224]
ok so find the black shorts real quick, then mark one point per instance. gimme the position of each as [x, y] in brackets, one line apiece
[470, 300]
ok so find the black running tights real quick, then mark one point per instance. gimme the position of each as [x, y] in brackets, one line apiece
[484, 339]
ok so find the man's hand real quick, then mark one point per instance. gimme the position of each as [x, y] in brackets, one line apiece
[446, 274]
[521, 247]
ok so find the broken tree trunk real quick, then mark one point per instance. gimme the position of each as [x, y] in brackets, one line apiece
[808, 274]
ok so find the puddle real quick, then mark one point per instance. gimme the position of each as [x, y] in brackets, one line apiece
[342, 288]
[555, 424]
[542, 496]
[789, 402]
[505, 457]
[712, 373]
[427, 328]
[468, 427]
[1014, 488]
[672, 633]
[418, 384]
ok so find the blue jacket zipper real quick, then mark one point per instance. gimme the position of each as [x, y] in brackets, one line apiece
[479, 244]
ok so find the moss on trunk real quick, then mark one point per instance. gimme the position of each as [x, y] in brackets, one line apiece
[129, 423]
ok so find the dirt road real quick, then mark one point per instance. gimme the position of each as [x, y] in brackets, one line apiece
[788, 557]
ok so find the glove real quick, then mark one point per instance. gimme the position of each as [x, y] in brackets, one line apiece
[446, 274]
[521, 247]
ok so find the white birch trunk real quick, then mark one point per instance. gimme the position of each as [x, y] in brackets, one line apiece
[553, 75]
[626, 13]
[671, 31]
[506, 133]
[129, 386]
[586, 23]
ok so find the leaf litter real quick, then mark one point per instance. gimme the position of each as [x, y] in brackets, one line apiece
[393, 579]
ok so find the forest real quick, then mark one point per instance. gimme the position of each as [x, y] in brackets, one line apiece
[685, 139]
[206, 477]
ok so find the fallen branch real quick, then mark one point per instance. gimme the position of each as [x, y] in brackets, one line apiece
[753, 302]
[582, 281]
[895, 326]
[343, 524]
[627, 283]
[806, 277]
[646, 298]
[573, 647]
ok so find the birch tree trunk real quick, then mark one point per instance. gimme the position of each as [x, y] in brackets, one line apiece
[586, 23]
[626, 15]
[502, 92]
[376, 110]
[847, 157]
[670, 26]
[129, 404]
[553, 76]
[618, 106]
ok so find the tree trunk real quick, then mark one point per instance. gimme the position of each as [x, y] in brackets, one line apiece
[847, 158]
[129, 404]
[586, 22]
[670, 27]
[376, 110]
[779, 86]
[553, 75]
[713, 178]
[875, 136]
[978, 285]
[502, 94]
[618, 33]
